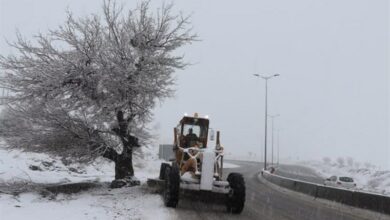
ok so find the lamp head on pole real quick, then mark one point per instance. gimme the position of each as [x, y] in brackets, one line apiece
[266, 77]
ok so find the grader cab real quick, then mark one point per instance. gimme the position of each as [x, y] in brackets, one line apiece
[198, 166]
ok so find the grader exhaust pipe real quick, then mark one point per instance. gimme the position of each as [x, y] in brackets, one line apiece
[218, 142]
[175, 137]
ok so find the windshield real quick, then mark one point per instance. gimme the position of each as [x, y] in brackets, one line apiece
[195, 129]
[199, 130]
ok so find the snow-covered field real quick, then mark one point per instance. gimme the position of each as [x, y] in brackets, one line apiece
[22, 173]
[368, 177]
[17, 167]
[96, 203]
[99, 203]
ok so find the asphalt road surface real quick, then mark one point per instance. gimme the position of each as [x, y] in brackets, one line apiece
[262, 202]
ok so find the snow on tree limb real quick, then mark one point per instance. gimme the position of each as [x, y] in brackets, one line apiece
[73, 80]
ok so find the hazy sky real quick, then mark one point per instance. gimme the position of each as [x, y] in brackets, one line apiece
[332, 56]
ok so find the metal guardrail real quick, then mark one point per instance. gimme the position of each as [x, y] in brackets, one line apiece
[355, 198]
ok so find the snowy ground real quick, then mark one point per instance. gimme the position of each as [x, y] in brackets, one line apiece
[369, 178]
[243, 157]
[99, 203]
[18, 167]
[20, 197]
[96, 203]
[229, 165]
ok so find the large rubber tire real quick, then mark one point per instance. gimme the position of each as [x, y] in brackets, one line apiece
[172, 186]
[236, 198]
[162, 170]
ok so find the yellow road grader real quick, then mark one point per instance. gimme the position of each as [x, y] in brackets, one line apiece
[196, 166]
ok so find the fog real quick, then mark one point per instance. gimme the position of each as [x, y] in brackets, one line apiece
[332, 56]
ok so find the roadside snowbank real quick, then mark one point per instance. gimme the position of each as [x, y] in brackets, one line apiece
[101, 203]
[368, 179]
[21, 168]
[17, 166]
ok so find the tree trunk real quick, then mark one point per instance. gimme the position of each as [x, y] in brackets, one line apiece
[124, 166]
[124, 170]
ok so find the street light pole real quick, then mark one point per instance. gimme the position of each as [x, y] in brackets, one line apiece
[266, 78]
[272, 146]
[278, 145]
[265, 123]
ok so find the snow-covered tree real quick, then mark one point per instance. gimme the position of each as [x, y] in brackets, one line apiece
[88, 87]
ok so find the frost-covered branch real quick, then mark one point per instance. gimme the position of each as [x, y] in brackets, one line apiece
[69, 85]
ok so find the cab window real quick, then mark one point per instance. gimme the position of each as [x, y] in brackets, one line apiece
[195, 129]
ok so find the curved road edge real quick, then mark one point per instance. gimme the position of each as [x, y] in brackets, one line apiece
[358, 212]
